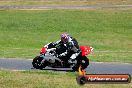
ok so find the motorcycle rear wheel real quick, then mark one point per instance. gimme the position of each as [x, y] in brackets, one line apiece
[37, 63]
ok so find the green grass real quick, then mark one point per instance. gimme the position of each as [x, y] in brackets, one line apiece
[45, 79]
[23, 33]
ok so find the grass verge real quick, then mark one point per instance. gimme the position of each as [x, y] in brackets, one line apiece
[23, 33]
[45, 79]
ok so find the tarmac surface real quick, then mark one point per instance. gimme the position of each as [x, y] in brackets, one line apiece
[93, 68]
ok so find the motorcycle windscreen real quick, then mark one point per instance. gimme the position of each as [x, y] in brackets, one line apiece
[86, 50]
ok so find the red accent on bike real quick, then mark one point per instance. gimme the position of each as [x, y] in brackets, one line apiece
[43, 50]
[86, 50]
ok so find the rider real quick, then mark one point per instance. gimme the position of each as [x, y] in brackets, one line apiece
[72, 47]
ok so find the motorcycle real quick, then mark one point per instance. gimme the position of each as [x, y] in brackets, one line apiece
[50, 57]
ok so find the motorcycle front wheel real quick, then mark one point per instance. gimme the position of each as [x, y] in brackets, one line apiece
[82, 61]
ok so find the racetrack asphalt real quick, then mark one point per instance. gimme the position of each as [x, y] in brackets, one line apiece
[93, 68]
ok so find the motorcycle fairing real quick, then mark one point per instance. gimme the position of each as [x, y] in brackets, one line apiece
[86, 50]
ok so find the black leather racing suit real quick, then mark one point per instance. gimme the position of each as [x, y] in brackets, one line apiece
[72, 49]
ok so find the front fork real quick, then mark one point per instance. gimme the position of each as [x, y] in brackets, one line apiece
[81, 71]
[82, 66]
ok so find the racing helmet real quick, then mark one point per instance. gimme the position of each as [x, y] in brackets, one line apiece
[64, 37]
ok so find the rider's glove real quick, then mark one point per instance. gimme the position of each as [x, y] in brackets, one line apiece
[72, 59]
[74, 56]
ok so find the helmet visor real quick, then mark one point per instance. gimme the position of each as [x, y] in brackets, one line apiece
[64, 39]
